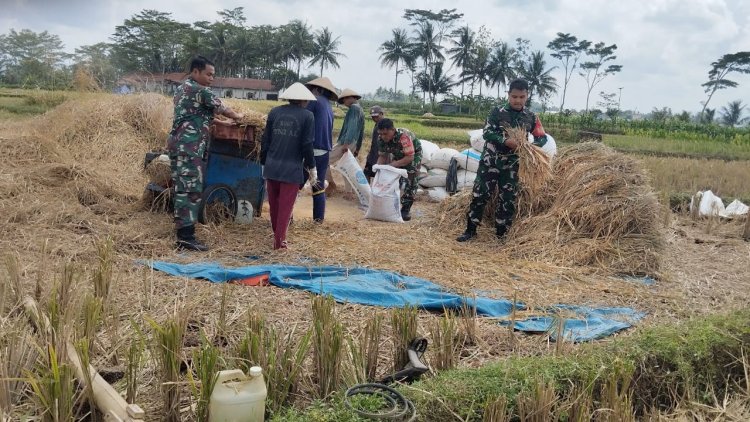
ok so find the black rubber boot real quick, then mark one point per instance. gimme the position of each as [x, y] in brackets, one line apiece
[471, 232]
[186, 240]
[406, 213]
[501, 231]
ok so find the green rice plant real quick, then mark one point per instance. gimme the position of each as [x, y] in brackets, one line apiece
[53, 386]
[445, 344]
[469, 322]
[281, 356]
[203, 375]
[364, 351]
[135, 361]
[616, 401]
[497, 411]
[11, 289]
[167, 348]
[102, 277]
[17, 353]
[538, 405]
[328, 345]
[83, 349]
[91, 318]
[404, 325]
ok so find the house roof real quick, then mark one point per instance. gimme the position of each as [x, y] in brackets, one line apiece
[177, 77]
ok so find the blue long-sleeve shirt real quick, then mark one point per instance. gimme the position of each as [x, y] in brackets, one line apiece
[323, 113]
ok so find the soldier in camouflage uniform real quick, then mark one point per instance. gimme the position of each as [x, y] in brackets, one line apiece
[405, 151]
[194, 109]
[498, 166]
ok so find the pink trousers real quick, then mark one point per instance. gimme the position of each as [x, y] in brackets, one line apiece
[281, 198]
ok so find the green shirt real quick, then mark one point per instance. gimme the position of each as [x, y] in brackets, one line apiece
[353, 129]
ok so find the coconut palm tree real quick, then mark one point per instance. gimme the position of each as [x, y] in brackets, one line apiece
[397, 50]
[299, 42]
[731, 115]
[463, 41]
[540, 81]
[435, 82]
[325, 50]
[428, 48]
[502, 69]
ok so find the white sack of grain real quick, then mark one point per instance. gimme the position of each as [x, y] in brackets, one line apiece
[442, 158]
[385, 196]
[428, 148]
[437, 194]
[469, 159]
[465, 179]
[476, 139]
[434, 178]
[352, 172]
[423, 172]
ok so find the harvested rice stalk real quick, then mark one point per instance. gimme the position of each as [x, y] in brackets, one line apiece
[534, 174]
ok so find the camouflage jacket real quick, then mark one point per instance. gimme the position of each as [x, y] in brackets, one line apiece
[194, 109]
[403, 143]
[501, 118]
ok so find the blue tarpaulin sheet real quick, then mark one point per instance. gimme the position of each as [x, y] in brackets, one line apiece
[366, 286]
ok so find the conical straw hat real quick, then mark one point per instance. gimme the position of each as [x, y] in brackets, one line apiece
[348, 93]
[297, 91]
[326, 84]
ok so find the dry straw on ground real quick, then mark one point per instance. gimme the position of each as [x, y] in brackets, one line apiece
[598, 210]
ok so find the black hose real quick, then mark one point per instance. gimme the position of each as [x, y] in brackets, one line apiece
[397, 407]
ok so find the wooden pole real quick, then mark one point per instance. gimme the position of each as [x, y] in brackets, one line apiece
[107, 399]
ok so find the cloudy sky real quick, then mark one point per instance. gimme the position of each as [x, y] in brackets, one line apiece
[665, 46]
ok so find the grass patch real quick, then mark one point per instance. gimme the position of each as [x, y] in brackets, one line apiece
[727, 179]
[650, 370]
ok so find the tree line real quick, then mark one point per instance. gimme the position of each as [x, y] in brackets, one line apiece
[440, 55]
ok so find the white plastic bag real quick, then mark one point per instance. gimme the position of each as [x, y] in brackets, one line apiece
[352, 172]
[442, 158]
[385, 196]
[550, 148]
[468, 159]
[736, 208]
[434, 178]
[709, 204]
[428, 149]
[476, 139]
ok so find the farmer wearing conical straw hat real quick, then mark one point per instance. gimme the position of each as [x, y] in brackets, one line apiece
[498, 167]
[286, 154]
[324, 92]
[194, 109]
[353, 130]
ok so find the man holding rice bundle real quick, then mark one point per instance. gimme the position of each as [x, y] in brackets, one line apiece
[498, 166]
[194, 109]
[400, 148]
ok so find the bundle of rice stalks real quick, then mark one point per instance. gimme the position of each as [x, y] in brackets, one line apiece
[534, 174]
[251, 117]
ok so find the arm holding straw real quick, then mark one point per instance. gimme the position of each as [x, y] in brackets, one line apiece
[495, 132]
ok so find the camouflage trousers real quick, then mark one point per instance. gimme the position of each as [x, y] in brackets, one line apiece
[411, 185]
[495, 171]
[187, 177]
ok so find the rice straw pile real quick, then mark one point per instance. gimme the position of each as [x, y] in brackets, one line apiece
[601, 212]
[250, 117]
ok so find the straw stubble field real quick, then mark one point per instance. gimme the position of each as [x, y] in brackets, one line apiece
[72, 178]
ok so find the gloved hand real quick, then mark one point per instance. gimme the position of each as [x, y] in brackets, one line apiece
[313, 173]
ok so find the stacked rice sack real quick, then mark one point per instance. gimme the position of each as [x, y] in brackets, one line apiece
[432, 174]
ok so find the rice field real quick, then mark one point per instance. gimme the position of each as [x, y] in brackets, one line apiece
[75, 231]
